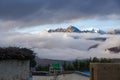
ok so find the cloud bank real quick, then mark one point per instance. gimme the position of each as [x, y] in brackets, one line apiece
[63, 46]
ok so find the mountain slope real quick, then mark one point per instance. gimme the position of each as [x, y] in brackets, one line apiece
[114, 49]
[116, 31]
[74, 29]
[69, 29]
[93, 30]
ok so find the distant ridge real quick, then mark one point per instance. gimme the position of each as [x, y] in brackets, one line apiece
[74, 29]
[69, 29]
[44, 62]
[116, 31]
[114, 49]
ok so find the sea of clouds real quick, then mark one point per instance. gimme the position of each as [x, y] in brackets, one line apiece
[63, 46]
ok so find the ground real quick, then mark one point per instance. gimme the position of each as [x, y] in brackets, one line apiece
[62, 77]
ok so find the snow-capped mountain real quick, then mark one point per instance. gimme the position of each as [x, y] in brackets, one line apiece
[69, 29]
[93, 30]
[114, 49]
[75, 29]
[116, 31]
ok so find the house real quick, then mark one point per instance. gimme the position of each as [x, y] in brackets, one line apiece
[15, 63]
[105, 71]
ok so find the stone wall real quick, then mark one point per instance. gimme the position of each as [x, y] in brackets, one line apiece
[105, 71]
[14, 70]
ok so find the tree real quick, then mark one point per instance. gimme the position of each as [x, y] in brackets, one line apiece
[42, 68]
[31, 56]
[95, 59]
[70, 67]
[65, 65]
[76, 64]
[16, 53]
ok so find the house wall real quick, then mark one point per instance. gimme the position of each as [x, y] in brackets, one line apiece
[105, 71]
[14, 70]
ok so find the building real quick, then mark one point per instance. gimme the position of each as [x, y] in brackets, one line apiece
[15, 63]
[55, 68]
[14, 70]
[105, 71]
[116, 60]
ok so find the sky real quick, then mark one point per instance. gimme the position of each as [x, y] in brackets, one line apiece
[24, 15]
[23, 23]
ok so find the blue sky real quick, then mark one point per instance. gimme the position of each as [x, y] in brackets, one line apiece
[81, 24]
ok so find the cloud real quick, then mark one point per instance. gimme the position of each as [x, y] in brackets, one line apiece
[16, 14]
[24, 13]
[63, 45]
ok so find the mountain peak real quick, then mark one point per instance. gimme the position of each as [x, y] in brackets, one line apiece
[76, 30]
[72, 29]
[68, 29]
[93, 30]
[116, 31]
[71, 26]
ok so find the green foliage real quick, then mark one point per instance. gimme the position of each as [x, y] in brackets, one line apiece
[16, 53]
[32, 63]
[42, 68]
[95, 59]
[70, 67]
[65, 65]
[83, 65]
[76, 64]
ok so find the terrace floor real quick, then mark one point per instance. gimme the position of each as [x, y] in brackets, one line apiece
[72, 76]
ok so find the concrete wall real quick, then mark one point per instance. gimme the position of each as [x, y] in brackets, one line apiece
[14, 70]
[105, 71]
